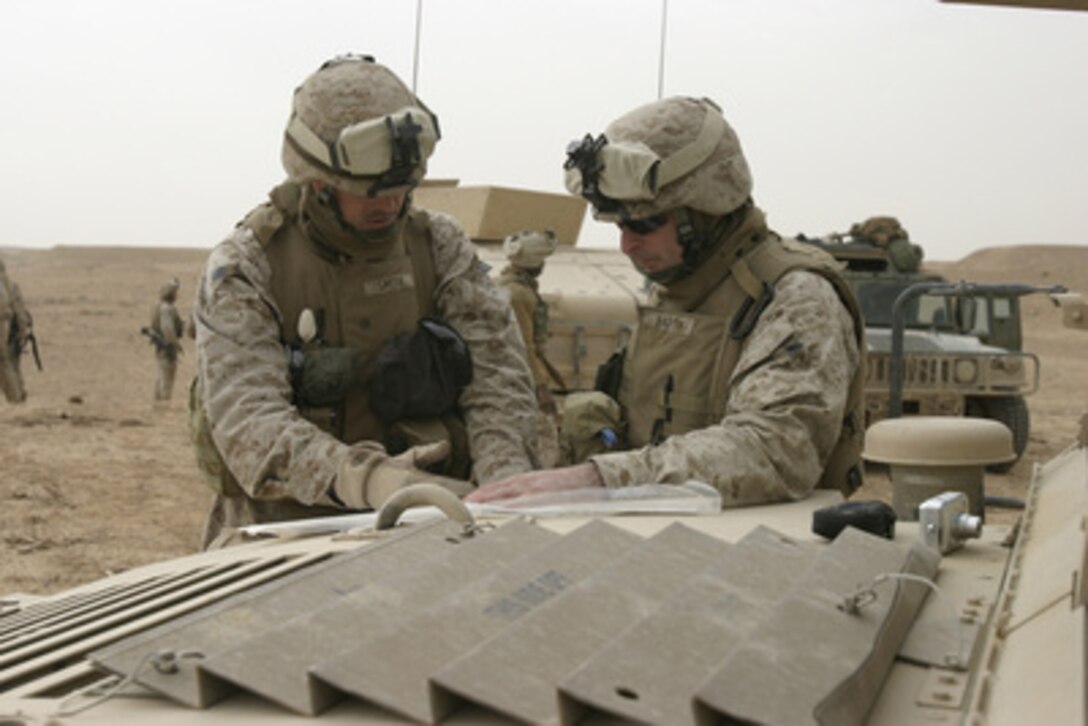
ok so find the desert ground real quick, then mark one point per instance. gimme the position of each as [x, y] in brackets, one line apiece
[95, 478]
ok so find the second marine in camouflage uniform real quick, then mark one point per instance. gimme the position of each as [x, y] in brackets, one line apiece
[744, 371]
[335, 266]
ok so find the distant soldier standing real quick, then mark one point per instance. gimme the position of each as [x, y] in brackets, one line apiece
[526, 251]
[166, 330]
[16, 329]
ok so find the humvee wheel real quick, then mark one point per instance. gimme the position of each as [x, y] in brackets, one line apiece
[1011, 411]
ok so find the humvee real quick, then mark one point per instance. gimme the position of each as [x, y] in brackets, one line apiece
[962, 344]
[640, 605]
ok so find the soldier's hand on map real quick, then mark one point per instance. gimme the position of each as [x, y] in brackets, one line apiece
[581, 476]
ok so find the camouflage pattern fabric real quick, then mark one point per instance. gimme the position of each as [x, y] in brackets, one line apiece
[880, 231]
[525, 302]
[784, 412]
[284, 464]
[15, 326]
[527, 306]
[167, 322]
[528, 248]
[720, 185]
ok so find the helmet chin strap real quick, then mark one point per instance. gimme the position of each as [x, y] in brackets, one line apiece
[691, 241]
[697, 241]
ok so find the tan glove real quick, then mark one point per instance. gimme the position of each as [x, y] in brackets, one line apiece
[368, 477]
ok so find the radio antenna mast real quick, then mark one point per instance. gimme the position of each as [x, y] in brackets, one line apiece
[661, 58]
[415, 51]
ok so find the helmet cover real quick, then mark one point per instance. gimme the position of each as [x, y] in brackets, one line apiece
[676, 152]
[356, 126]
[529, 248]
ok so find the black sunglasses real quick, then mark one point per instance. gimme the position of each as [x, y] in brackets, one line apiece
[644, 226]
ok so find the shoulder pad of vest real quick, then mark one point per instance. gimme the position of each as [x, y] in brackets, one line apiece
[812, 252]
[269, 217]
[419, 218]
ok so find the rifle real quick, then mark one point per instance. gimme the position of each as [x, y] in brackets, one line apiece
[160, 343]
[18, 346]
[33, 340]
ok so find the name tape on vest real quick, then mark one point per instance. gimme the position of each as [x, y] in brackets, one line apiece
[675, 324]
[392, 283]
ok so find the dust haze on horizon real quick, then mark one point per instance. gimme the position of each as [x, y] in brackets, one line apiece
[158, 123]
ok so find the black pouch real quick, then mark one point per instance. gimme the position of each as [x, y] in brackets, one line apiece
[322, 377]
[420, 374]
[610, 374]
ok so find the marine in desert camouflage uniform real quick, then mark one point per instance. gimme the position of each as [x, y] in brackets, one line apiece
[166, 328]
[16, 326]
[526, 252]
[294, 307]
[744, 371]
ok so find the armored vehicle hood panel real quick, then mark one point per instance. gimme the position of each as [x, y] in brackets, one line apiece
[742, 614]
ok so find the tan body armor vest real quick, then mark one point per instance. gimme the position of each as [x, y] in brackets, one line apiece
[678, 371]
[359, 301]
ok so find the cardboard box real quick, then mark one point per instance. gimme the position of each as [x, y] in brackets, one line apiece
[490, 213]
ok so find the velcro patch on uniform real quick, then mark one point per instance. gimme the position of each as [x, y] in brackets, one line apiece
[675, 324]
[224, 271]
[390, 283]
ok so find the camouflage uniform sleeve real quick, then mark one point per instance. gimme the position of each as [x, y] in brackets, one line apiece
[784, 412]
[499, 405]
[273, 452]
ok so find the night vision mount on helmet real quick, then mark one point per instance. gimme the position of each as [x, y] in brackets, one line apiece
[356, 126]
[677, 152]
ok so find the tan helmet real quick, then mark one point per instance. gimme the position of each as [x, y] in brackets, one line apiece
[169, 290]
[529, 248]
[356, 126]
[676, 152]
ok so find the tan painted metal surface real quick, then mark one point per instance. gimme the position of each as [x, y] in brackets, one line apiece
[337, 646]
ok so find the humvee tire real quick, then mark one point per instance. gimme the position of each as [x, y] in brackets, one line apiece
[1011, 411]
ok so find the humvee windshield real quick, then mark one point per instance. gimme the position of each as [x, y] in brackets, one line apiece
[992, 318]
[996, 321]
[877, 299]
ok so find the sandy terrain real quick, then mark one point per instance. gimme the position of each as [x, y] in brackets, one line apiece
[94, 478]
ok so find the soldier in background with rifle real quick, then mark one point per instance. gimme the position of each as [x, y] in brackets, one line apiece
[16, 332]
[165, 333]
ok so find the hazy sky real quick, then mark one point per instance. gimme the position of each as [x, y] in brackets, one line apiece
[158, 122]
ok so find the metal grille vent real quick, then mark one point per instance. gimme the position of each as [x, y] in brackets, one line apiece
[524, 623]
[43, 645]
